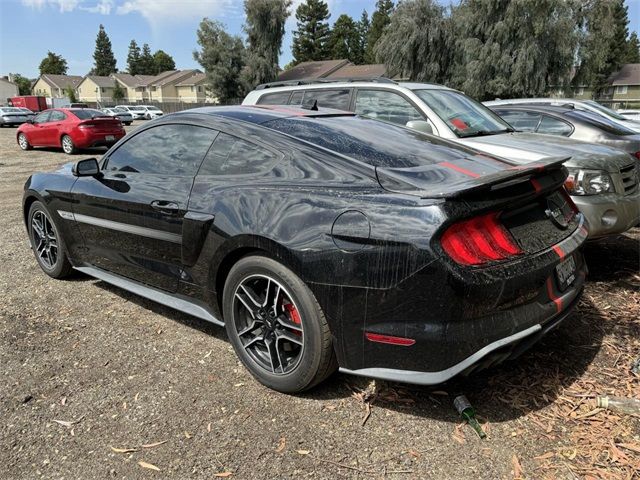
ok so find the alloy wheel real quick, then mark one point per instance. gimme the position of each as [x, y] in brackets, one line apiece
[67, 144]
[22, 141]
[44, 239]
[268, 324]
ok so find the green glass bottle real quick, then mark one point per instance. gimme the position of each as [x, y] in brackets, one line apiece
[466, 411]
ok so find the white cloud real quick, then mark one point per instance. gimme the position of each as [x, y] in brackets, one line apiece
[103, 7]
[63, 5]
[162, 11]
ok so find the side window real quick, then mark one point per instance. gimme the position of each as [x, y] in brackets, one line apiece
[42, 117]
[386, 106]
[296, 98]
[338, 99]
[57, 116]
[231, 156]
[165, 150]
[553, 126]
[278, 98]
[523, 121]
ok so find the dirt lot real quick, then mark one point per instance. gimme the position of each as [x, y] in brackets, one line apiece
[93, 378]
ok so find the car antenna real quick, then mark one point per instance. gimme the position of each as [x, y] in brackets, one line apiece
[310, 105]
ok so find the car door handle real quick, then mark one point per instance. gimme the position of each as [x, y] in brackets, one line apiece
[165, 206]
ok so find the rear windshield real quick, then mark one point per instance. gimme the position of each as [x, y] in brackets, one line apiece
[600, 122]
[376, 143]
[87, 113]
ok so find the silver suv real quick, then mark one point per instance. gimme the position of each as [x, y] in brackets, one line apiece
[602, 181]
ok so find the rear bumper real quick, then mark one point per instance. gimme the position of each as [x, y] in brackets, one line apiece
[87, 140]
[609, 214]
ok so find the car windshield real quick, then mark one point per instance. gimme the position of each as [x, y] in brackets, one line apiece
[10, 110]
[600, 122]
[465, 116]
[137, 109]
[120, 110]
[370, 141]
[87, 113]
[605, 110]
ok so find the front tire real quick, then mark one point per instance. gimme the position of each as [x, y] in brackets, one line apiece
[47, 243]
[68, 146]
[276, 326]
[23, 142]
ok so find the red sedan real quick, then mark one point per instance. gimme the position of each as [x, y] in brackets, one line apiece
[71, 129]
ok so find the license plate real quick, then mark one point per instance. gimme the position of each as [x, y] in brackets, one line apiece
[110, 138]
[566, 272]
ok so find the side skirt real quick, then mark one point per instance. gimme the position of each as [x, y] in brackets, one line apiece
[174, 301]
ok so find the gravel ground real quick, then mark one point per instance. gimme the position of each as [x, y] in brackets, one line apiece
[92, 378]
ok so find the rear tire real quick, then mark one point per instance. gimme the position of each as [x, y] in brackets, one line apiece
[285, 343]
[68, 146]
[23, 142]
[47, 243]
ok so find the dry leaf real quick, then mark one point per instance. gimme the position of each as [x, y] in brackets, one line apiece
[209, 427]
[545, 456]
[148, 465]
[281, 444]
[223, 474]
[187, 434]
[517, 468]
[303, 452]
[151, 445]
[239, 384]
[63, 401]
[124, 450]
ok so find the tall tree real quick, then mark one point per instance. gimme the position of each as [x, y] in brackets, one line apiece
[418, 42]
[133, 58]
[70, 92]
[119, 93]
[265, 31]
[23, 83]
[103, 58]
[162, 62]
[53, 64]
[222, 57]
[632, 54]
[363, 31]
[513, 49]
[310, 40]
[379, 21]
[344, 40]
[146, 65]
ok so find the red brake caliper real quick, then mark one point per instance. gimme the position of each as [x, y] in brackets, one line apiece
[293, 314]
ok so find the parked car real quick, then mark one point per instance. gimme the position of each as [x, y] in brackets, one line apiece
[606, 190]
[120, 113]
[12, 116]
[27, 112]
[588, 105]
[321, 239]
[71, 129]
[630, 114]
[136, 111]
[570, 123]
[152, 112]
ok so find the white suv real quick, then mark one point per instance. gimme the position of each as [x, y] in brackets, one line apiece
[603, 181]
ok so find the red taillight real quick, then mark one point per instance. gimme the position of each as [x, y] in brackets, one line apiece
[87, 125]
[637, 155]
[389, 339]
[479, 240]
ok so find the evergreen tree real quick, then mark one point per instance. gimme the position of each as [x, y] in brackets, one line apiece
[222, 57]
[344, 39]
[310, 40]
[146, 65]
[53, 64]
[363, 32]
[632, 53]
[119, 93]
[379, 21]
[265, 31]
[71, 94]
[23, 83]
[418, 42]
[133, 58]
[103, 58]
[162, 62]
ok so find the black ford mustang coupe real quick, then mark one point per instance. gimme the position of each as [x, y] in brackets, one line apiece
[321, 240]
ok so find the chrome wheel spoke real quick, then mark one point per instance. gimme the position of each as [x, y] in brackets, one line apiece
[274, 356]
[289, 337]
[285, 322]
[251, 295]
[254, 324]
[252, 310]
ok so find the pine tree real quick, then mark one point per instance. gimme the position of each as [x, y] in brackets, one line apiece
[53, 64]
[632, 54]
[146, 65]
[133, 58]
[265, 31]
[104, 60]
[379, 21]
[344, 40]
[311, 38]
[363, 32]
[162, 62]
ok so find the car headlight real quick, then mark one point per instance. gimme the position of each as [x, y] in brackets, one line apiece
[588, 182]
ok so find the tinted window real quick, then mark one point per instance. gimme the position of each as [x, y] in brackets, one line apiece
[296, 98]
[338, 99]
[386, 106]
[523, 121]
[165, 149]
[278, 98]
[232, 156]
[600, 122]
[553, 126]
[42, 117]
[87, 113]
[57, 116]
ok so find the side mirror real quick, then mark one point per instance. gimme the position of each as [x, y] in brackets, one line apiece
[420, 126]
[86, 168]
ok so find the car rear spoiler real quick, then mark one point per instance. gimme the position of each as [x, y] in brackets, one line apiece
[435, 181]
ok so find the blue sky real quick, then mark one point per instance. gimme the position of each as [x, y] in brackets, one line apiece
[28, 28]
